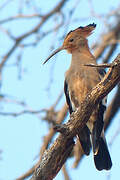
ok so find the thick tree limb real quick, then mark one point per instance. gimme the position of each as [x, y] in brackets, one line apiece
[109, 115]
[54, 158]
[112, 108]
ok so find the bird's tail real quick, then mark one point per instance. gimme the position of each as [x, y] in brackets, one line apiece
[102, 157]
[84, 138]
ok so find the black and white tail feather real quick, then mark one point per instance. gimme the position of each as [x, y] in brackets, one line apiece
[102, 157]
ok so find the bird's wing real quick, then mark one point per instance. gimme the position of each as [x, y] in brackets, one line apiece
[83, 134]
[66, 90]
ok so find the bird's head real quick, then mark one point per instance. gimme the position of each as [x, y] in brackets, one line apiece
[75, 39]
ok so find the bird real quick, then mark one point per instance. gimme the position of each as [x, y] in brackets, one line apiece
[79, 81]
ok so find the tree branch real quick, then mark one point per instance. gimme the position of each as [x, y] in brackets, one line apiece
[112, 108]
[18, 40]
[54, 158]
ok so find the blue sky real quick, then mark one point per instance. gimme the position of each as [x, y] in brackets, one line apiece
[21, 137]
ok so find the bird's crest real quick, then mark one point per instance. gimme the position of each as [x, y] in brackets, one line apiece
[87, 30]
[84, 31]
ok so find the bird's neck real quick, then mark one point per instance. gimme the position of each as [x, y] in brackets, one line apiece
[82, 56]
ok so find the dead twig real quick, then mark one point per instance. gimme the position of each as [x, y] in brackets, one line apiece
[104, 65]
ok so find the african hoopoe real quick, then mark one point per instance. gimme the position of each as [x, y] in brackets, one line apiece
[79, 80]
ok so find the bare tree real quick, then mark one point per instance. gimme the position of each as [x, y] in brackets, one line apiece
[55, 22]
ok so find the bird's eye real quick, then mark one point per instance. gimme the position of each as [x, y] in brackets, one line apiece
[71, 40]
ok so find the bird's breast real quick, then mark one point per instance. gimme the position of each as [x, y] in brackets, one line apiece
[80, 83]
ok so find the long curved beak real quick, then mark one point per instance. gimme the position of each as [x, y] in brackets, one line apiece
[54, 52]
